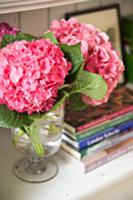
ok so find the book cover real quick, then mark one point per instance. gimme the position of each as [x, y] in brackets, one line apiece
[100, 158]
[99, 136]
[120, 102]
[108, 124]
[108, 155]
[128, 45]
[88, 151]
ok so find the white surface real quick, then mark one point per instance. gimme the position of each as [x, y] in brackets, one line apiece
[8, 6]
[111, 180]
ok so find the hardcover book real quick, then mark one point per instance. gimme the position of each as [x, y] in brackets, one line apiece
[99, 136]
[99, 128]
[88, 151]
[128, 46]
[102, 157]
[120, 103]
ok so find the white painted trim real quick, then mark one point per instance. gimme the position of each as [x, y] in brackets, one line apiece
[9, 6]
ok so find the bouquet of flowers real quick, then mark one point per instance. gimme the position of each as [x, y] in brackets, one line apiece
[72, 60]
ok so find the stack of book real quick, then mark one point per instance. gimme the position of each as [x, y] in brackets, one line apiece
[97, 135]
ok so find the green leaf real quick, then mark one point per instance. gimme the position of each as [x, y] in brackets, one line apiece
[90, 84]
[7, 39]
[62, 97]
[25, 36]
[13, 119]
[50, 35]
[74, 54]
[76, 102]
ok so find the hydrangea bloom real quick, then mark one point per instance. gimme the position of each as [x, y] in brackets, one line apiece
[104, 61]
[5, 28]
[99, 55]
[72, 32]
[31, 74]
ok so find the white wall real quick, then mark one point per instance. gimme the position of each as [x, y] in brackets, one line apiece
[37, 21]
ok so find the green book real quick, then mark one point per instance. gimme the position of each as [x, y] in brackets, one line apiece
[92, 150]
[91, 131]
[128, 46]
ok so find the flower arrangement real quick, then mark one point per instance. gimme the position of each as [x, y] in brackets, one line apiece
[71, 60]
[99, 55]
[6, 28]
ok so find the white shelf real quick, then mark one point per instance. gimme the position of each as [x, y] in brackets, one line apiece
[9, 6]
[112, 180]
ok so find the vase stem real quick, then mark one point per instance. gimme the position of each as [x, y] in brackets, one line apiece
[35, 165]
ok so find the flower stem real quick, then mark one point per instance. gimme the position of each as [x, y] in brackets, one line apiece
[35, 140]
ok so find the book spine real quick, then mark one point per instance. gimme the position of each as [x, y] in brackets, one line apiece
[89, 151]
[68, 128]
[110, 142]
[105, 118]
[107, 125]
[108, 157]
[104, 134]
[70, 150]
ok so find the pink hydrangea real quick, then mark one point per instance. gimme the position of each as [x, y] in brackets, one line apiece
[5, 28]
[99, 55]
[72, 32]
[104, 61]
[31, 74]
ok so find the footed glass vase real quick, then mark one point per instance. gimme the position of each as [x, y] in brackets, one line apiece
[38, 145]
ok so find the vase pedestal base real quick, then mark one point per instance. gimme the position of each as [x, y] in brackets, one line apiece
[32, 171]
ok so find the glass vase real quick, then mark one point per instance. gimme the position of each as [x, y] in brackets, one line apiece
[35, 168]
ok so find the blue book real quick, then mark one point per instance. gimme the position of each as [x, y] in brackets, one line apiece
[93, 139]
